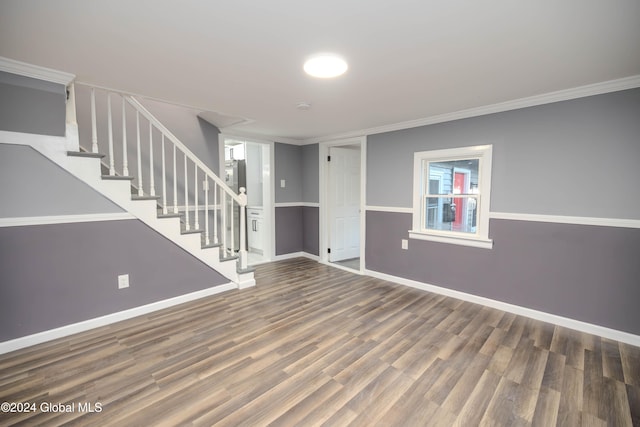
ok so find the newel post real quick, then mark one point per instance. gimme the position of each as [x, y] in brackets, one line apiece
[71, 124]
[243, 221]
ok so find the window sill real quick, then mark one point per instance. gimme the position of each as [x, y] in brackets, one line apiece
[473, 242]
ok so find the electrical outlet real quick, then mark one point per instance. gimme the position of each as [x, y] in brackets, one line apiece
[405, 244]
[123, 281]
[282, 183]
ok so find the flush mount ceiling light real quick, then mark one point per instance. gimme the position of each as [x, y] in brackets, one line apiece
[325, 66]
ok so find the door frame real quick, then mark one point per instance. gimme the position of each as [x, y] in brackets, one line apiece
[269, 207]
[324, 238]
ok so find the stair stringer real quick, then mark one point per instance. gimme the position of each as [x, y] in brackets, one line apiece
[88, 170]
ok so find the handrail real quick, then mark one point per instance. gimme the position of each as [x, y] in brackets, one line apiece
[239, 199]
[138, 106]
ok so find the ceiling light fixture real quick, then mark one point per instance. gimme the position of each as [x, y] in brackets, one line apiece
[325, 66]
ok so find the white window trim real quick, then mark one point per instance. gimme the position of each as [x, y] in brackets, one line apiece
[481, 238]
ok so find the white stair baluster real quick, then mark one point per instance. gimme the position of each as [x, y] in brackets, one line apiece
[186, 195]
[140, 192]
[94, 128]
[206, 209]
[196, 223]
[152, 183]
[175, 182]
[223, 228]
[232, 244]
[242, 253]
[125, 160]
[112, 168]
[164, 180]
[215, 212]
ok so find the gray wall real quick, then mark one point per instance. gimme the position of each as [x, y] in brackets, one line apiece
[55, 275]
[200, 136]
[32, 185]
[576, 158]
[311, 230]
[289, 230]
[288, 166]
[297, 228]
[31, 106]
[197, 134]
[581, 272]
[310, 173]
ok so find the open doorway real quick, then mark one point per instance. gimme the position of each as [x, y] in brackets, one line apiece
[342, 203]
[247, 163]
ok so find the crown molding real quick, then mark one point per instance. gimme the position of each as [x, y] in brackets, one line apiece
[34, 71]
[233, 133]
[630, 82]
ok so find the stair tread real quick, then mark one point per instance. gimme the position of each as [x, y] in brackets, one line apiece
[145, 197]
[211, 245]
[191, 231]
[117, 177]
[240, 275]
[169, 215]
[85, 154]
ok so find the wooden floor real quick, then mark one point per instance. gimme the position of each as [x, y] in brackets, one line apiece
[315, 345]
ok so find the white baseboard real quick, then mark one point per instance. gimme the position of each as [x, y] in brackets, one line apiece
[515, 309]
[40, 337]
[341, 267]
[296, 255]
[295, 204]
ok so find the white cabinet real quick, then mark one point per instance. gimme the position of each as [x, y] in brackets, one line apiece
[255, 230]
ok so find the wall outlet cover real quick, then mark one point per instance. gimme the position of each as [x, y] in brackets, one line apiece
[123, 281]
[405, 244]
[282, 183]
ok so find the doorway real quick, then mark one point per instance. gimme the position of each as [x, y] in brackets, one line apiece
[247, 163]
[342, 203]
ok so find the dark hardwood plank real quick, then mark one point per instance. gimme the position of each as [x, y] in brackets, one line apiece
[313, 345]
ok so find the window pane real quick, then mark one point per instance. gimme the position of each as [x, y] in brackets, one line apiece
[454, 177]
[458, 214]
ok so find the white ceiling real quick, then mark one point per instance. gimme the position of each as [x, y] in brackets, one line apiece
[407, 59]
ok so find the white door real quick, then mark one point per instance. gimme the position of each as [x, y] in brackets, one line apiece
[344, 203]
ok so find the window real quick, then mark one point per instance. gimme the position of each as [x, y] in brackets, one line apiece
[451, 195]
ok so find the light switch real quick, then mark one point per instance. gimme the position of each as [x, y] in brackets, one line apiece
[405, 244]
[282, 183]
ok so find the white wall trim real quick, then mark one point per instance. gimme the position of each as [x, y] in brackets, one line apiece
[293, 204]
[394, 209]
[97, 322]
[64, 219]
[515, 309]
[630, 82]
[34, 71]
[457, 240]
[53, 147]
[560, 219]
[228, 131]
[296, 255]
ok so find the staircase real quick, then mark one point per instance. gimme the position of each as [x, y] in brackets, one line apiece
[142, 167]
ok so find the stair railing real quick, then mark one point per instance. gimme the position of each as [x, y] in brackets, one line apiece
[223, 208]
